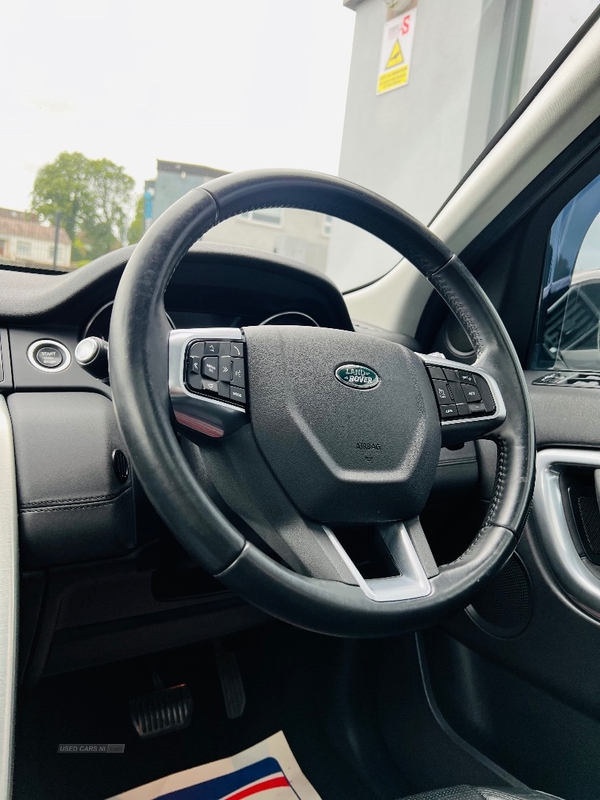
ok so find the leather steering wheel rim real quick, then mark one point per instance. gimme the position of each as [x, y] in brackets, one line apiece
[139, 380]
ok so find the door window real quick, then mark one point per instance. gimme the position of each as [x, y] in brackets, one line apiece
[568, 329]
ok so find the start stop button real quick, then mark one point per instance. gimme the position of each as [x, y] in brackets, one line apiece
[49, 355]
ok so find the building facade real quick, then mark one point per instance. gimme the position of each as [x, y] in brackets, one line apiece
[470, 63]
[293, 233]
[24, 241]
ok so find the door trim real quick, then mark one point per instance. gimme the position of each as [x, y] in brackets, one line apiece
[8, 598]
[566, 562]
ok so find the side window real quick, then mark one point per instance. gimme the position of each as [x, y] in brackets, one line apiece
[568, 328]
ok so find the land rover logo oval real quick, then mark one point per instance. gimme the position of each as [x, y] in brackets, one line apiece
[357, 376]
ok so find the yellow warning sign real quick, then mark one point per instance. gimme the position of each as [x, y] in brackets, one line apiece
[392, 80]
[396, 58]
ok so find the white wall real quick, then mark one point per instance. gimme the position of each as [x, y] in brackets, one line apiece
[408, 144]
[553, 23]
[472, 61]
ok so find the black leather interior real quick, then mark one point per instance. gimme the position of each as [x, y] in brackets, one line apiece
[480, 793]
[72, 505]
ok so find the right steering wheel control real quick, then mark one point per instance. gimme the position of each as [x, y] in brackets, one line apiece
[460, 393]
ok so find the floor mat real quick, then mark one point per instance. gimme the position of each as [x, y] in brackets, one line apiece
[268, 769]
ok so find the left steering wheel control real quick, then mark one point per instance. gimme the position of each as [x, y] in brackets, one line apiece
[217, 368]
[207, 380]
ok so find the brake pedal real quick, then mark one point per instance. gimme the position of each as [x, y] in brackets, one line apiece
[162, 711]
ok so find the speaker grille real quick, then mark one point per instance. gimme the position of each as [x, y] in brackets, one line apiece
[590, 520]
[504, 607]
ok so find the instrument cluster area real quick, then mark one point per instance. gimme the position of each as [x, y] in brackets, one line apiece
[217, 287]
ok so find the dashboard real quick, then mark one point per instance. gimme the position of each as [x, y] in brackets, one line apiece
[101, 576]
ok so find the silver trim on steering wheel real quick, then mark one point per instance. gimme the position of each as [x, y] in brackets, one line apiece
[410, 583]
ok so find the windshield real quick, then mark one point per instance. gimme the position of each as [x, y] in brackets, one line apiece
[114, 110]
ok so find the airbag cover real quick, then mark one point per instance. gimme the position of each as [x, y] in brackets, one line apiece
[343, 456]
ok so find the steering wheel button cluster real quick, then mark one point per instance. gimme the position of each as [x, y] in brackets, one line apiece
[442, 392]
[457, 393]
[222, 374]
[194, 366]
[460, 393]
[238, 377]
[210, 367]
[210, 386]
[436, 373]
[225, 369]
[197, 350]
[471, 393]
[448, 411]
[237, 394]
[477, 408]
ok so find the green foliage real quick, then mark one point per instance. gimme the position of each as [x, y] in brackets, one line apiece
[93, 196]
[136, 229]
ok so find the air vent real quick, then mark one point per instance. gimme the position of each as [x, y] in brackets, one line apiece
[120, 465]
[582, 380]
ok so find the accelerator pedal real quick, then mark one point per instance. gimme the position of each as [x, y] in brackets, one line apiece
[162, 711]
[230, 677]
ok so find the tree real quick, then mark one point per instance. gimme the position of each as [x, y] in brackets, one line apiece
[93, 196]
[64, 186]
[136, 229]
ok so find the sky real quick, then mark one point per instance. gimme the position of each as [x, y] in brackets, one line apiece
[232, 84]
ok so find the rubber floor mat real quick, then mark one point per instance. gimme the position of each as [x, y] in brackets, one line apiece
[266, 771]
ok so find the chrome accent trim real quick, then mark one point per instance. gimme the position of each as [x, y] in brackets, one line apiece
[271, 320]
[412, 583]
[8, 598]
[51, 343]
[500, 414]
[552, 527]
[224, 572]
[86, 330]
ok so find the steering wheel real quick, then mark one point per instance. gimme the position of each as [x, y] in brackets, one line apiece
[304, 431]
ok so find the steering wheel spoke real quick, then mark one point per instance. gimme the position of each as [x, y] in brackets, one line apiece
[407, 549]
[207, 381]
[470, 404]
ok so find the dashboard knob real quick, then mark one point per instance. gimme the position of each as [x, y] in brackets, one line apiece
[91, 354]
